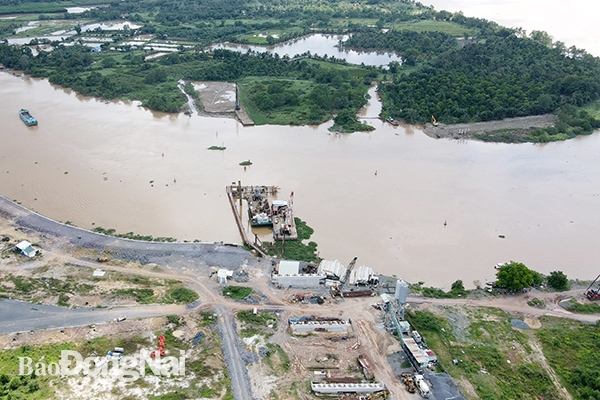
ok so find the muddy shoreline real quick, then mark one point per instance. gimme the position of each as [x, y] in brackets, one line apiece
[514, 126]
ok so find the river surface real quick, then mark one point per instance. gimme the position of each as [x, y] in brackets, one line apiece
[319, 44]
[381, 196]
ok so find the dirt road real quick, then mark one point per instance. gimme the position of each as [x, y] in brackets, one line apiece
[231, 345]
[19, 316]
[518, 304]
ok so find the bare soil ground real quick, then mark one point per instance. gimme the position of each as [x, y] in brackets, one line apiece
[217, 97]
[320, 355]
[514, 126]
[273, 375]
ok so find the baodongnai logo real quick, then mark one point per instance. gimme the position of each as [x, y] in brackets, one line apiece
[123, 368]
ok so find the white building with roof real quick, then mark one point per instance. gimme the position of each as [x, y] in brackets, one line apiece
[288, 274]
[339, 388]
[26, 249]
[362, 276]
[333, 269]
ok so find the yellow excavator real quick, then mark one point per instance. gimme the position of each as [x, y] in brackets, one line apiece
[379, 395]
[434, 121]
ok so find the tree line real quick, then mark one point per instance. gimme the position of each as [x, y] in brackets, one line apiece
[498, 74]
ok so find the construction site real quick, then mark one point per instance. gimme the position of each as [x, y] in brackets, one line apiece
[256, 327]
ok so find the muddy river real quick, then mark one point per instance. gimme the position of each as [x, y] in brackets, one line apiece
[381, 196]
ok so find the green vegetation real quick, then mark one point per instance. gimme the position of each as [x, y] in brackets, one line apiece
[263, 323]
[312, 94]
[133, 236]
[571, 349]
[457, 68]
[246, 163]
[79, 282]
[500, 73]
[347, 122]
[494, 357]
[572, 121]
[295, 249]
[516, 276]
[278, 357]
[182, 295]
[558, 280]
[33, 288]
[34, 386]
[237, 292]
[205, 361]
[142, 296]
[445, 27]
[457, 290]
[577, 307]
[537, 303]
[216, 148]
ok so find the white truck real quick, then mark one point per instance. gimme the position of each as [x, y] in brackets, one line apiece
[422, 386]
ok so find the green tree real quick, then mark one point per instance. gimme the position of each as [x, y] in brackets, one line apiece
[109, 62]
[458, 285]
[156, 75]
[514, 276]
[558, 280]
[410, 56]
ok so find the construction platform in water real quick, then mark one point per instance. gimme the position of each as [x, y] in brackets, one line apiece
[278, 213]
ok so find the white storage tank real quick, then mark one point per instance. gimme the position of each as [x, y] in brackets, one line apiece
[401, 291]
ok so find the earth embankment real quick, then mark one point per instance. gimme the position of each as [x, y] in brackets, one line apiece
[508, 127]
[215, 254]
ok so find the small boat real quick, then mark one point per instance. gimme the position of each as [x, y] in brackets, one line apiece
[27, 118]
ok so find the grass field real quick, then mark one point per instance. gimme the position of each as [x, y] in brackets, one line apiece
[497, 359]
[433, 26]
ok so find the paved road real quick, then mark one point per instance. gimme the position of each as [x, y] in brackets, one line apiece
[19, 316]
[240, 381]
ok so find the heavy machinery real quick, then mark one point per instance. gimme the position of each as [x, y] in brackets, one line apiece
[378, 395]
[593, 294]
[434, 121]
[348, 270]
[422, 386]
[409, 382]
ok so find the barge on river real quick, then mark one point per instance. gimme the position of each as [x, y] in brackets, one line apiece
[27, 117]
[259, 210]
[284, 225]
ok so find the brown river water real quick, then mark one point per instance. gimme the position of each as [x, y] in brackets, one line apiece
[381, 196]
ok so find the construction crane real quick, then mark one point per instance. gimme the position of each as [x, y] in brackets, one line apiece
[434, 121]
[593, 294]
[349, 270]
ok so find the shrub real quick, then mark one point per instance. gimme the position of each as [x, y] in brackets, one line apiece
[182, 295]
[237, 292]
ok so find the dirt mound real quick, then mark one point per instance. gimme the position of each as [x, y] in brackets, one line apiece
[513, 127]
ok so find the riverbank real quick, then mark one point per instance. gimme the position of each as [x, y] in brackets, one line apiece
[494, 131]
[214, 254]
